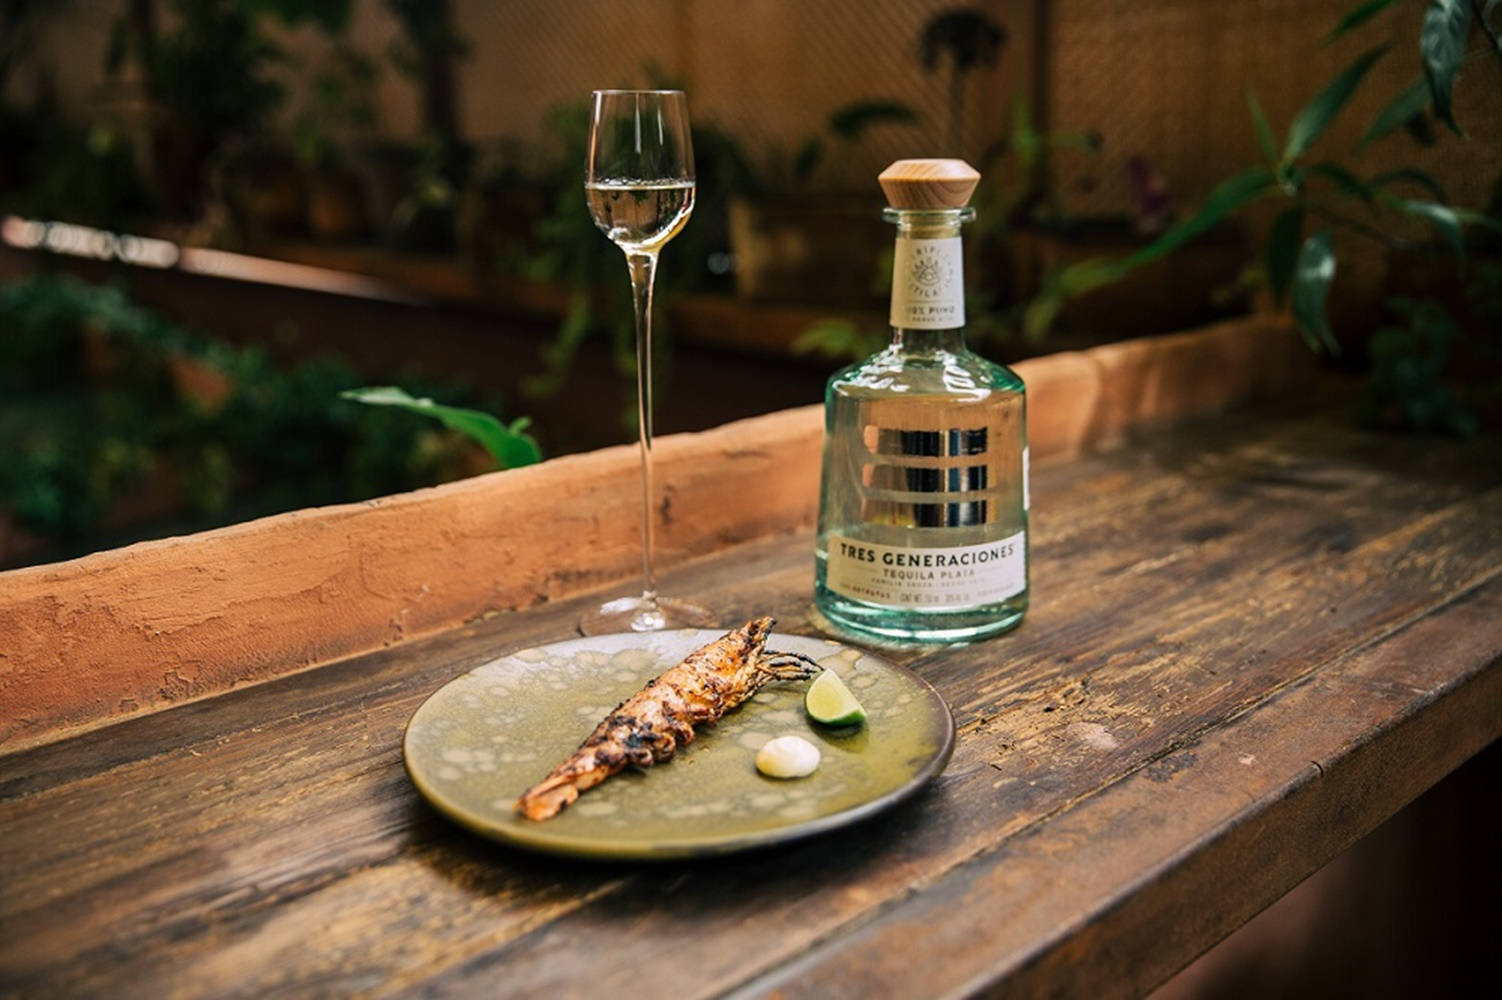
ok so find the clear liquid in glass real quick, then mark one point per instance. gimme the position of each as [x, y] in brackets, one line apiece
[640, 216]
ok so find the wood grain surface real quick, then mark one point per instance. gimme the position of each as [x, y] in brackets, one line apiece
[1251, 642]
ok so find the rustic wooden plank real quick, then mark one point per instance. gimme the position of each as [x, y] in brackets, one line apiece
[316, 822]
[1181, 852]
[1055, 736]
[1066, 735]
[161, 623]
[304, 798]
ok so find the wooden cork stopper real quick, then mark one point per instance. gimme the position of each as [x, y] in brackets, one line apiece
[929, 184]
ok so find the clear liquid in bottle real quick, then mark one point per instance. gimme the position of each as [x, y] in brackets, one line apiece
[924, 499]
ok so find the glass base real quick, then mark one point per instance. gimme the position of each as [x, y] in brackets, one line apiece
[643, 614]
[905, 625]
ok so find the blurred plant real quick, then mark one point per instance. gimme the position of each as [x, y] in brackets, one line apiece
[52, 167]
[1430, 373]
[1407, 386]
[425, 218]
[426, 53]
[508, 444]
[1013, 189]
[61, 171]
[574, 253]
[1152, 206]
[1023, 192]
[841, 340]
[97, 392]
[846, 126]
[1300, 255]
[20, 22]
[207, 78]
[970, 38]
[505, 199]
[206, 81]
[340, 110]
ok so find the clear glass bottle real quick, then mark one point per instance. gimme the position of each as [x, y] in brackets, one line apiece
[924, 503]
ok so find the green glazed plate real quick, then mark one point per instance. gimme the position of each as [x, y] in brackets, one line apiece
[484, 738]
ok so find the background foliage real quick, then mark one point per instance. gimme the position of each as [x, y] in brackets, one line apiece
[99, 393]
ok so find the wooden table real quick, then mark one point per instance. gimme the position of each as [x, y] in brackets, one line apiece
[1252, 640]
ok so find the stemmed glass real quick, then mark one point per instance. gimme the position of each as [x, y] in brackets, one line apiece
[639, 181]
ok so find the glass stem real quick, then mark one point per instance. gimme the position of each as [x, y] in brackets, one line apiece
[643, 267]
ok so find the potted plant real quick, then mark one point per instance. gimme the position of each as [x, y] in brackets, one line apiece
[1162, 295]
[793, 242]
[206, 82]
[339, 116]
[1324, 201]
[425, 213]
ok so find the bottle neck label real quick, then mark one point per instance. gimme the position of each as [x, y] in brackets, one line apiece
[928, 284]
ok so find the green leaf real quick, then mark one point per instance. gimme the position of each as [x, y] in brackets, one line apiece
[1443, 218]
[1348, 182]
[1481, 219]
[1088, 275]
[1283, 250]
[1356, 17]
[1026, 141]
[1265, 140]
[330, 15]
[1313, 118]
[1402, 109]
[1441, 48]
[508, 444]
[838, 340]
[1311, 287]
[1230, 196]
[1040, 314]
[851, 121]
[1418, 177]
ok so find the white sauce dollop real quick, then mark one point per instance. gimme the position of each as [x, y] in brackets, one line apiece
[787, 757]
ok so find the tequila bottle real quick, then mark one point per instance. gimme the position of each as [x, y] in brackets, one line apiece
[924, 502]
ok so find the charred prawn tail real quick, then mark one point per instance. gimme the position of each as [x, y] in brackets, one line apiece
[770, 664]
[786, 666]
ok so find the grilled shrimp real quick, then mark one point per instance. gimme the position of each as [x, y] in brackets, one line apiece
[648, 727]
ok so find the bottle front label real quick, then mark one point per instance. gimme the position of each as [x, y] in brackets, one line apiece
[937, 579]
[928, 284]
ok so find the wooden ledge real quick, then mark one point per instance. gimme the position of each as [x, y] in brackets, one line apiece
[138, 629]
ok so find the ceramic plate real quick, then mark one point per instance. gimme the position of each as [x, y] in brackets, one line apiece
[484, 738]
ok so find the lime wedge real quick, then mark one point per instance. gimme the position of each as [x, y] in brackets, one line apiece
[830, 702]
